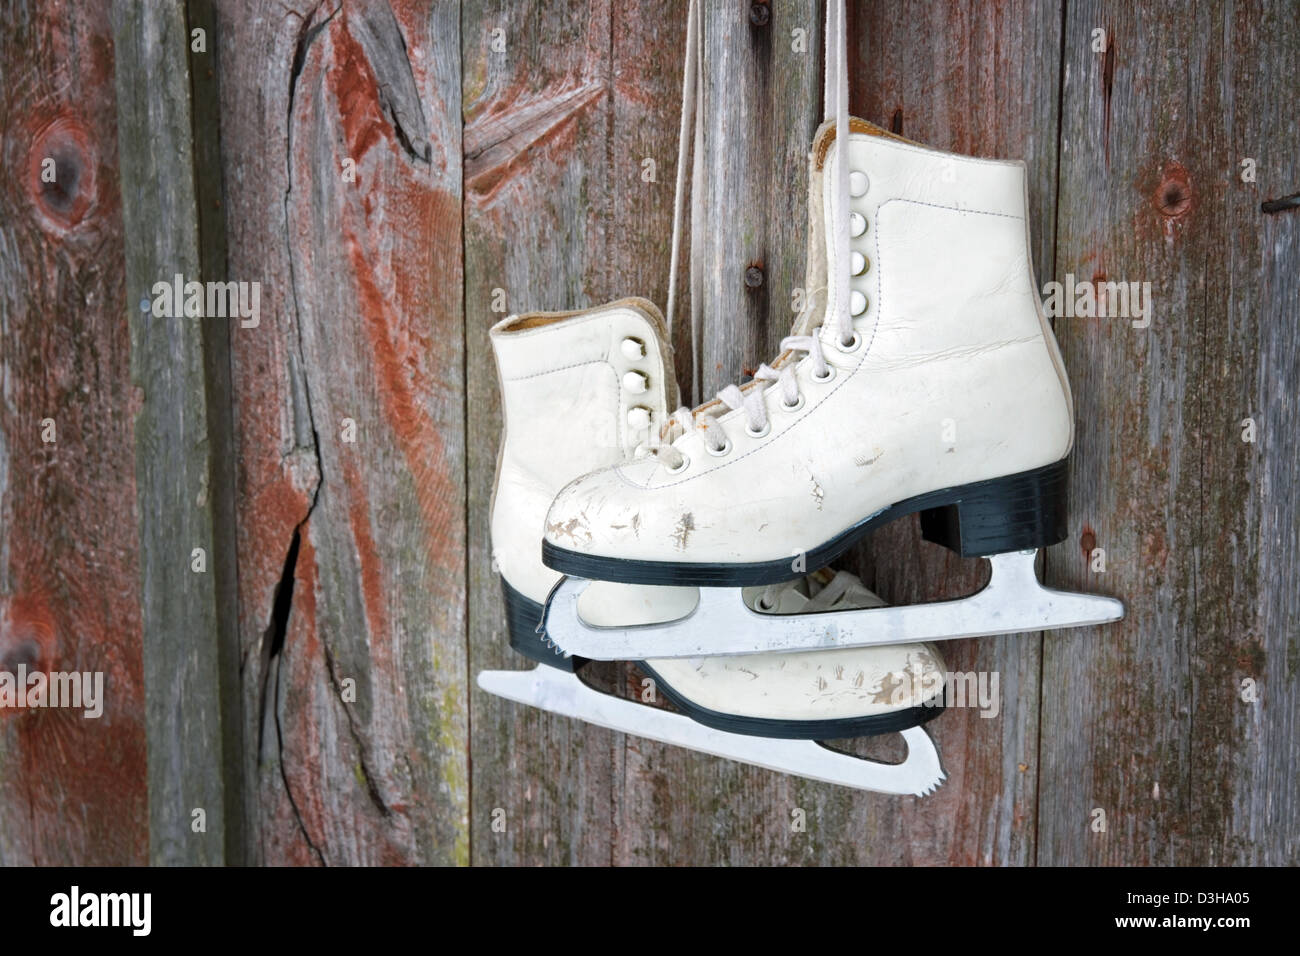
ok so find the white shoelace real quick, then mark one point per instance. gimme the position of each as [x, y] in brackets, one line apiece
[751, 397]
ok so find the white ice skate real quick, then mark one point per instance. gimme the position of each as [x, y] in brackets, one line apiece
[929, 381]
[581, 390]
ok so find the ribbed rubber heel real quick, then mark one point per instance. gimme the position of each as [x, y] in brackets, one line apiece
[522, 617]
[1015, 513]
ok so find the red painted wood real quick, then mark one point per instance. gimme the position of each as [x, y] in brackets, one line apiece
[72, 789]
[347, 208]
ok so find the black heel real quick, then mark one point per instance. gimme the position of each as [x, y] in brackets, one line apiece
[1015, 513]
[522, 617]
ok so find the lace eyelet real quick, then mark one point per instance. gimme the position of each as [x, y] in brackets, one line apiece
[633, 349]
[680, 467]
[857, 224]
[858, 183]
[760, 433]
[764, 604]
[823, 379]
[792, 407]
[851, 345]
[718, 452]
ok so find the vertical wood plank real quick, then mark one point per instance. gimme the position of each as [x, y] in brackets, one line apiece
[537, 233]
[341, 136]
[759, 110]
[646, 50]
[1126, 750]
[186, 570]
[1255, 354]
[1155, 732]
[277, 470]
[205, 107]
[656, 789]
[72, 790]
[981, 80]
[761, 105]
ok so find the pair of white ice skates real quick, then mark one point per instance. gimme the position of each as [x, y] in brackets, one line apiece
[927, 380]
[586, 390]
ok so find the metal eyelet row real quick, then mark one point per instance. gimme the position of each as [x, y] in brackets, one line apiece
[633, 349]
[859, 264]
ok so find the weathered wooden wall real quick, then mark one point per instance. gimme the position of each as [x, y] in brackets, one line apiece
[72, 790]
[1200, 527]
[398, 175]
[342, 169]
[179, 373]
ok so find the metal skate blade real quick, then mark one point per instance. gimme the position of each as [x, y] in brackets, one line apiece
[1013, 602]
[560, 692]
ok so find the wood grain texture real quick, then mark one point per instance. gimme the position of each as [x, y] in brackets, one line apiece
[173, 450]
[205, 113]
[73, 790]
[761, 105]
[645, 103]
[1257, 349]
[537, 234]
[1198, 533]
[351, 552]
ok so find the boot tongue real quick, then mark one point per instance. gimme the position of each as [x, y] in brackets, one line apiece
[815, 270]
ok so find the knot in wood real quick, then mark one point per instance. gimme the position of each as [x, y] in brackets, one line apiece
[23, 652]
[61, 173]
[1173, 195]
[1087, 542]
[26, 634]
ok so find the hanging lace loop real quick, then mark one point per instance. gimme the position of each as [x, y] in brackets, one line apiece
[750, 398]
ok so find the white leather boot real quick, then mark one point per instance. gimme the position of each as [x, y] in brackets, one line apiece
[582, 390]
[946, 375]
[926, 380]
